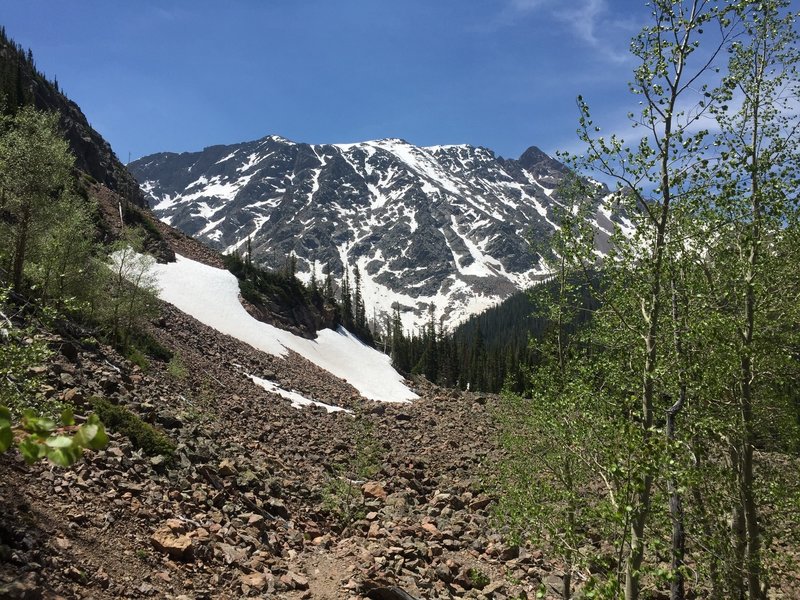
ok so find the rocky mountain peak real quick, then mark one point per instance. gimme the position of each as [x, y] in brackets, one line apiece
[444, 226]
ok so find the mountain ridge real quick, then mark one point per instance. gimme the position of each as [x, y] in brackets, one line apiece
[442, 226]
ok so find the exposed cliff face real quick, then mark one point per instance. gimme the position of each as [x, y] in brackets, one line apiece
[21, 83]
[447, 226]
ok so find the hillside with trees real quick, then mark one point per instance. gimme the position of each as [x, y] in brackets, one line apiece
[673, 411]
[645, 443]
[489, 352]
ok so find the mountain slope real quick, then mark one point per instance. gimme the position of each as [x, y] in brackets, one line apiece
[22, 84]
[444, 225]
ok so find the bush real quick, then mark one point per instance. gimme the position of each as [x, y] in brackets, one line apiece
[136, 357]
[42, 437]
[143, 436]
[477, 578]
[342, 495]
[140, 346]
[176, 368]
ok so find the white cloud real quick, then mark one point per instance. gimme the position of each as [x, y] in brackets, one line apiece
[588, 21]
[524, 5]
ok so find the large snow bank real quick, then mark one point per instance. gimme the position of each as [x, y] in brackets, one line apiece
[211, 296]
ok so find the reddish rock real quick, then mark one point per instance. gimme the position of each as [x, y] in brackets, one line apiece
[373, 489]
[254, 580]
[176, 546]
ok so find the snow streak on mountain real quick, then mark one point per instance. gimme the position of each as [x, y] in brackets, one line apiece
[447, 226]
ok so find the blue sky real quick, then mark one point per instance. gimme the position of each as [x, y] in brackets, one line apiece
[181, 75]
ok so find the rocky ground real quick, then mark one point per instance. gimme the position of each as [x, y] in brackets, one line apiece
[245, 508]
[260, 499]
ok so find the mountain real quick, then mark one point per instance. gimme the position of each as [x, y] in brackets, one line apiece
[21, 84]
[446, 226]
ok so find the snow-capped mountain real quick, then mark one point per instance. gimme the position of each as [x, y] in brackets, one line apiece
[442, 225]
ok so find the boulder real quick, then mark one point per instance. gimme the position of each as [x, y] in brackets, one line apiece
[176, 546]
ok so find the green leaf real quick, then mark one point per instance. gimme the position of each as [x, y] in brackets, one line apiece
[99, 441]
[67, 417]
[5, 414]
[91, 435]
[41, 426]
[60, 441]
[85, 434]
[63, 457]
[32, 450]
[6, 435]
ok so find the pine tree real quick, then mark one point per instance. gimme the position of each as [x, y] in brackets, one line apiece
[346, 302]
[359, 309]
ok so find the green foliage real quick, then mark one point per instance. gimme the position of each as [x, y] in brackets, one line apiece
[151, 346]
[142, 435]
[35, 172]
[139, 347]
[643, 428]
[341, 495]
[342, 498]
[262, 287]
[176, 369]
[477, 578]
[130, 297]
[63, 260]
[42, 437]
[19, 353]
[137, 357]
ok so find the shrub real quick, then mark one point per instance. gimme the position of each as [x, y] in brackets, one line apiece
[138, 358]
[342, 496]
[176, 368]
[61, 444]
[142, 435]
[478, 578]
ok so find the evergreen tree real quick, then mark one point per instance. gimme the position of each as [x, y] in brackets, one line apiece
[347, 302]
[327, 290]
[398, 342]
[428, 362]
[359, 309]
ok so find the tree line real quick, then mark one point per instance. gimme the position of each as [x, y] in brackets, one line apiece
[656, 447]
[489, 352]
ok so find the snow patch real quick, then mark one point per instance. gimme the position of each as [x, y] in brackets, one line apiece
[211, 296]
[297, 400]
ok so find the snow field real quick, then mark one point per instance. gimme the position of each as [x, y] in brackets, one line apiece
[211, 296]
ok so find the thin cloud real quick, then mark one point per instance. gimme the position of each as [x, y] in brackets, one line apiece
[589, 21]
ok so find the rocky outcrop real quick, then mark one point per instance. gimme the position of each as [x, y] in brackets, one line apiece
[93, 154]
